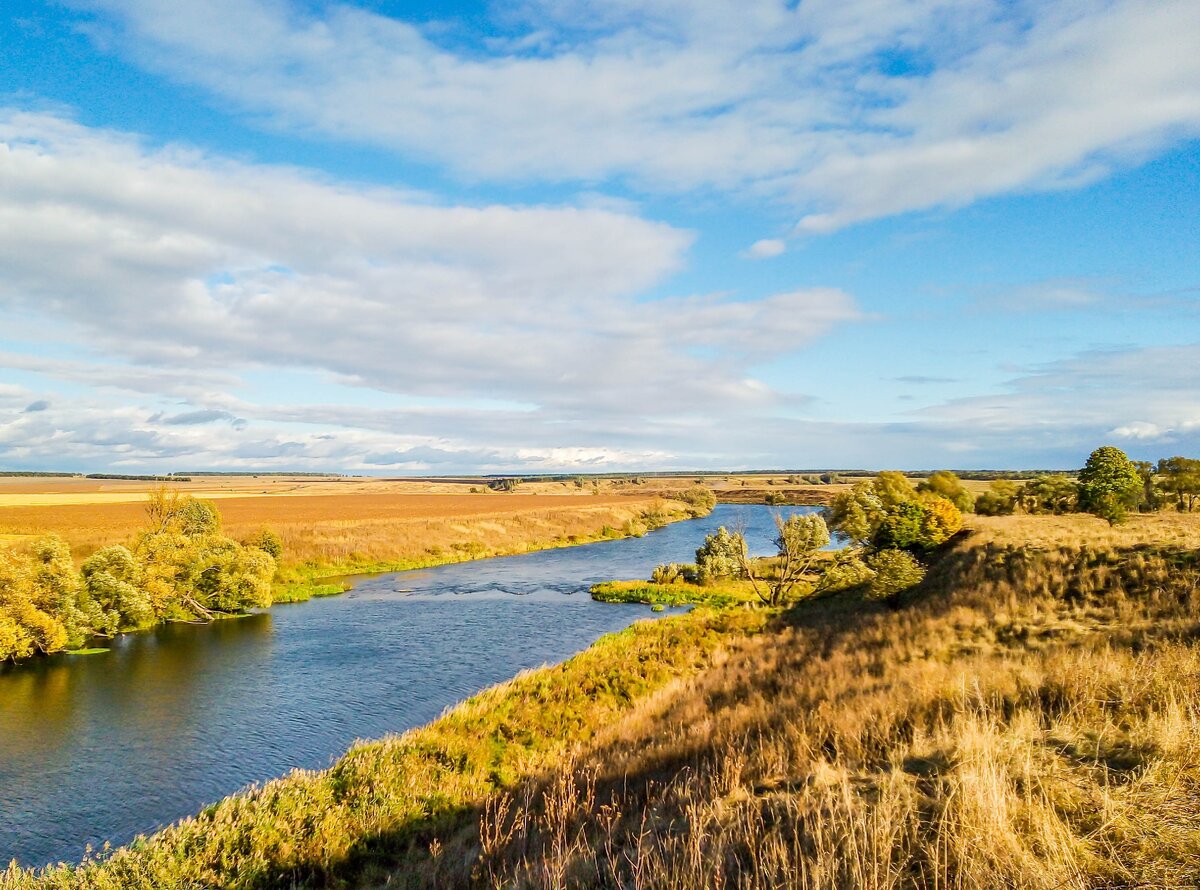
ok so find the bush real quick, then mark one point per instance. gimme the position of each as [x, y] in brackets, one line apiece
[892, 573]
[700, 500]
[266, 541]
[722, 555]
[999, 500]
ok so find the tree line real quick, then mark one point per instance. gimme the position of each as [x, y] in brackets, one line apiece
[179, 568]
[1110, 486]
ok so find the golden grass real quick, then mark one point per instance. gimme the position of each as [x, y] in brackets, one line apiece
[1032, 721]
[358, 528]
[1163, 529]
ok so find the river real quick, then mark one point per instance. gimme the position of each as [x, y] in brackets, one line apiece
[104, 747]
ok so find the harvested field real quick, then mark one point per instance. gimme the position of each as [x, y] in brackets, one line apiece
[356, 527]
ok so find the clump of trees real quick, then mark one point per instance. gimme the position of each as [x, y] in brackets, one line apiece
[179, 568]
[506, 483]
[1110, 486]
[888, 513]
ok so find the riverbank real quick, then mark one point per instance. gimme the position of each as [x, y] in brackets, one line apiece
[1026, 717]
[590, 524]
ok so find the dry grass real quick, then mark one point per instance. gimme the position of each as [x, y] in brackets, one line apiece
[1164, 529]
[1032, 721]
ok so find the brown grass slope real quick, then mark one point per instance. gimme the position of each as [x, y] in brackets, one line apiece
[1032, 719]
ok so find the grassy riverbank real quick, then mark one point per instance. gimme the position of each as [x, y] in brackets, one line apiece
[385, 798]
[584, 525]
[1028, 717]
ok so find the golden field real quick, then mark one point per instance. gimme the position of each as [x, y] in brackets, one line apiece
[333, 522]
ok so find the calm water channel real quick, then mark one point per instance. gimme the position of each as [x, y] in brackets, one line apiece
[103, 747]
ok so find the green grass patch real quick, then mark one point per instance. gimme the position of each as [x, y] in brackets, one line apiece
[96, 650]
[718, 594]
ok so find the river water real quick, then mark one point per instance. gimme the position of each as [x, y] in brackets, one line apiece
[104, 747]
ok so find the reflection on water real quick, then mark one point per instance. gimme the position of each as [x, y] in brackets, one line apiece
[101, 747]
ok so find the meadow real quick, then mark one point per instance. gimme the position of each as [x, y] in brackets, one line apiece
[1026, 717]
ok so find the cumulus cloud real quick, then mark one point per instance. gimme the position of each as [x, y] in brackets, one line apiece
[178, 273]
[39, 405]
[850, 111]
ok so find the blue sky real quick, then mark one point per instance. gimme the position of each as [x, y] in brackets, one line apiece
[593, 236]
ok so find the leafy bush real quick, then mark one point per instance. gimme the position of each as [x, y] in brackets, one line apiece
[722, 555]
[893, 572]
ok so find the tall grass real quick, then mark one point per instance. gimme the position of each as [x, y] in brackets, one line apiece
[1032, 720]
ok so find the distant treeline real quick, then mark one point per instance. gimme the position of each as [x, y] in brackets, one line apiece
[21, 473]
[171, 477]
[258, 473]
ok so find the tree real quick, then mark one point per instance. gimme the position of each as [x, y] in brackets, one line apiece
[1109, 484]
[942, 520]
[24, 627]
[857, 513]
[55, 588]
[1049, 493]
[722, 555]
[1181, 478]
[267, 541]
[893, 489]
[892, 573]
[947, 485]
[799, 543]
[1150, 498]
[999, 500]
[112, 582]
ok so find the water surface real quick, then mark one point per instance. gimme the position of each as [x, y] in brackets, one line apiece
[104, 747]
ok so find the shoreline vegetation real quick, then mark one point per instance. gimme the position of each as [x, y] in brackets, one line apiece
[1024, 716]
[182, 566]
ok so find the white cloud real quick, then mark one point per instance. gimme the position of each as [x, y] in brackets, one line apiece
[765, 249]
[177, 273]
[787, 100]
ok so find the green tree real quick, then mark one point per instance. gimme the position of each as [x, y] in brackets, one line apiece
[799, 543]
[1150, 497]
[722, 555]
[857, 513]
[999, 500]
[946, 484]
[1049, 493]
[267, 541]
[1109, 484]
[1181, 479]
[893, 489]
[112, 581]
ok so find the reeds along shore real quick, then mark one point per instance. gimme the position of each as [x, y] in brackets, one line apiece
[1028, 718]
